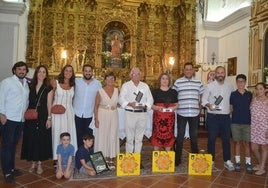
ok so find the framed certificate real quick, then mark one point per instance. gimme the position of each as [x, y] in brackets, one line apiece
[98, 162]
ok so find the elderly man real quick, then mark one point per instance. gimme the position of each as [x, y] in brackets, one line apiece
[136, 98]
[13, 104]
[216, 98]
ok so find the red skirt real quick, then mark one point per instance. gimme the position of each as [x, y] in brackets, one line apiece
[163, 128]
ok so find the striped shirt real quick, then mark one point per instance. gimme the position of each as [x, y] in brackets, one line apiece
[189, 92]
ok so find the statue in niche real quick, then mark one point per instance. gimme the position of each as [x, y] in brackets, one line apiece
[116, 47]
[113, 48]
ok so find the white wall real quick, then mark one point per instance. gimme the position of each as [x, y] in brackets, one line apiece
[13, 36]
[228, 38]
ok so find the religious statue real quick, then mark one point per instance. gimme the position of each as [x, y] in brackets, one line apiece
[116, 47]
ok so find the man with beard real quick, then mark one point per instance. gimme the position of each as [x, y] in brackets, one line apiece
[13, 104]
[216, 98]
[85, 92]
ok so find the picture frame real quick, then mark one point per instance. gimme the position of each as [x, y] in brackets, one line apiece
[98, 162]
[232, 66]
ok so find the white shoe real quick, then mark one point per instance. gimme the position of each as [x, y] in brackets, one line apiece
[229, 165]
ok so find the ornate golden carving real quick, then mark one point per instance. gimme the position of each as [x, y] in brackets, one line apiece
[152, 30]
[258, 29]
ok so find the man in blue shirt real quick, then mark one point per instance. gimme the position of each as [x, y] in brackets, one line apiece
[86, 89]
[13, 104]
[240, 107]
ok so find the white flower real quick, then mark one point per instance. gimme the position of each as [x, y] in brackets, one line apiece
[126, 56]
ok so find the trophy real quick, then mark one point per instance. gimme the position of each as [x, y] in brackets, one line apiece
[138, 99]
[217, 103]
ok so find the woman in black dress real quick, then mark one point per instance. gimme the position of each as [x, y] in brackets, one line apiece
[165, 104]
[37, 142]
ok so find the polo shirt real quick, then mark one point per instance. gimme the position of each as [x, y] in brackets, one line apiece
[65, 153]
[241, 107]
[189, 91]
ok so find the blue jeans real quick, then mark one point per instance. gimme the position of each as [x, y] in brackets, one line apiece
[181, 125]
[11, 132]
[219, 123]
[82, 127]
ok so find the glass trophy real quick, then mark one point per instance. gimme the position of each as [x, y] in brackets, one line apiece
[217, 103]
[138, 99]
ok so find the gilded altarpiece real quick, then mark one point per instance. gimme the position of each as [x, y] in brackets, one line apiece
[150, 32]
[258, 30]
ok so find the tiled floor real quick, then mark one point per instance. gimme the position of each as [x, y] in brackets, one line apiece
[221, 179]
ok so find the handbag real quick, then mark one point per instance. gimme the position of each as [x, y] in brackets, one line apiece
[163, 161]
[58, 109]
[200, 164]
[32, 114]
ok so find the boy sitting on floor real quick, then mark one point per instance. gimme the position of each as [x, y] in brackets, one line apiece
[65, 152]
[82, 162]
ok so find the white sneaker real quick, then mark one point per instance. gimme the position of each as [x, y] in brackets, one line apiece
[229, 165]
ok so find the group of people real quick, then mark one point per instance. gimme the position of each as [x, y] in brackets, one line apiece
[65, 135]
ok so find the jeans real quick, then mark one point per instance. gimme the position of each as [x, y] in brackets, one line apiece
[181, 124]
[11, 132]
[219, 123]
[82, 127]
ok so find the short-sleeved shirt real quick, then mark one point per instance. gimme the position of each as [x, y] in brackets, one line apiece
[82, 153]
[241, 107]
[169, 96]
[189, 92]
[65, 153]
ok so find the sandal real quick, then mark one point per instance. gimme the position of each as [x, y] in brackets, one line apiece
[39, 169]
[256, 168]
[32, 168]
[260, 172]
[111, 165]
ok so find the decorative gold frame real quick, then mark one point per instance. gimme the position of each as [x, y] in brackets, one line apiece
[232, 66]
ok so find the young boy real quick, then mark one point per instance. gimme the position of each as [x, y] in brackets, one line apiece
[82, 162]
[240, 107]
[65, 152]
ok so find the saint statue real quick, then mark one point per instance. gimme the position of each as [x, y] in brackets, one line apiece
[116, 47]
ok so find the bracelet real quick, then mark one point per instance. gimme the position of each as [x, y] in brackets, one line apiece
[48, 117]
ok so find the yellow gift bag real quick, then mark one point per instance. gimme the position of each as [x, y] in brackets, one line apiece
[200, 164]
[163, 161]
[128, 164]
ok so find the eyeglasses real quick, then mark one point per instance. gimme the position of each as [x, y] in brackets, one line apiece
[133, 74]
[110, 78]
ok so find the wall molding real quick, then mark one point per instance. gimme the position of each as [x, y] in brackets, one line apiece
[12, 8]
[231, 19]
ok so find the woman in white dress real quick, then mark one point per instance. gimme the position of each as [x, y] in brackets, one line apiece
[63, 94]
[106, 120]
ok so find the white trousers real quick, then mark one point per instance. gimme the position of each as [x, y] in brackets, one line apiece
[135, 123]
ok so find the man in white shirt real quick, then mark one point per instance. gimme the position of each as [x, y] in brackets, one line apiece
[85, 92]
[14, 99]
[136, 98]
[216, 98]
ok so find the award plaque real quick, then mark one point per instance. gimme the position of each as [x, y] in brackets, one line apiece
[138, 98]
[98, 162]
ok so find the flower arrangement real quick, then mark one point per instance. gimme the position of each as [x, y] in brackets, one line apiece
[265, 72]
[126, 59]
[106, 55]
[126, 56]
